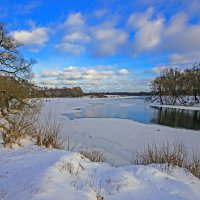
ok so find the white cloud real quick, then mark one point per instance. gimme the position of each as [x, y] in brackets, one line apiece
[50, 73]
[158, 69]
[157, 34]
[180, 36]
[107, 41]
[184, 59]
[177, 24]
[75, 20]
[91, 72]
[70, 48]
[58, 82]
[70, 68]
[85, 77]
[123, 72]
[76, 36]
[27, 7]
[101, 13]
[98, 75]
[36, 37]
[101, 40]
[70, 75]
[107, 72]
[95, 79]
[147, 30]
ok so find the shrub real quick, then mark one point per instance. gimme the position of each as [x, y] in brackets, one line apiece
[16, 126]
[48, 134]
[94, 155]
[67, 166]
[172, 155]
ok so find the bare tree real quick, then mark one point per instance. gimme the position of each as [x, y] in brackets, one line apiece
[174, 86]
[13, 68]
[12, 63]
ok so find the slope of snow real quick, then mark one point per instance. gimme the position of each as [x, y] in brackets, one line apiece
[45, 174]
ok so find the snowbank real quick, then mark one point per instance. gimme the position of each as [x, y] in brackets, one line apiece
[45, 174]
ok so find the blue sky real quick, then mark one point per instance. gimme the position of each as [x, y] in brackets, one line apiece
[104, 45]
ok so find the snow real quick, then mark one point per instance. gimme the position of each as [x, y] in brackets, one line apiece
[35, 173]
[196, 107]
[43, 174]
[117, 138]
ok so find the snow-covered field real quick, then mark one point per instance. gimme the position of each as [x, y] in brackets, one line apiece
[118, 138]
[33, 173]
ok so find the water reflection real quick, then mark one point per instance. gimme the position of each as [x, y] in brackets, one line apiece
[177, 118]
[138, 111]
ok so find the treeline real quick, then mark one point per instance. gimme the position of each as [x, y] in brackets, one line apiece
[176, 86]
[27, 89]
[57, 92]
[129, 93]
[13, 91]
[103, 94]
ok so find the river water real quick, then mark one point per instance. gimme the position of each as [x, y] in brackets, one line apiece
[135, 109]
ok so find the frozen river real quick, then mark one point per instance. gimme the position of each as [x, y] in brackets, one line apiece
[119, 127]
[135, 109]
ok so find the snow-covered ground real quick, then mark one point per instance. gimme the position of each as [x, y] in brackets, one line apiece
[118, 138]
[33, 173]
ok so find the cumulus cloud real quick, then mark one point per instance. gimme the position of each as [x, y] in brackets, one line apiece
[91, 72]
[107, 41]
[76, 36]
[181, 37]
[147, 30]
[36, 37]
[70, 68]
[104, 38]
[75, 20]
[73, 73]
[50, 73]
[70, 75]
[86, 77]
[123, 72]
[57, 82]
[101, 13]
[158, 69]
[72, 49]
[184, 59]
[157, 34]
[26, 8]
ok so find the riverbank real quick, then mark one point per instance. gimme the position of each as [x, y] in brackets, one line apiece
[195, 107]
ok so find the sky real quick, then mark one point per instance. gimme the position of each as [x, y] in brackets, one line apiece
[104, 45]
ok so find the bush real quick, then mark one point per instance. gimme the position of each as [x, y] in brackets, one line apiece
[16, 126]
[47, 134]
[94, 155]
[172, 155]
